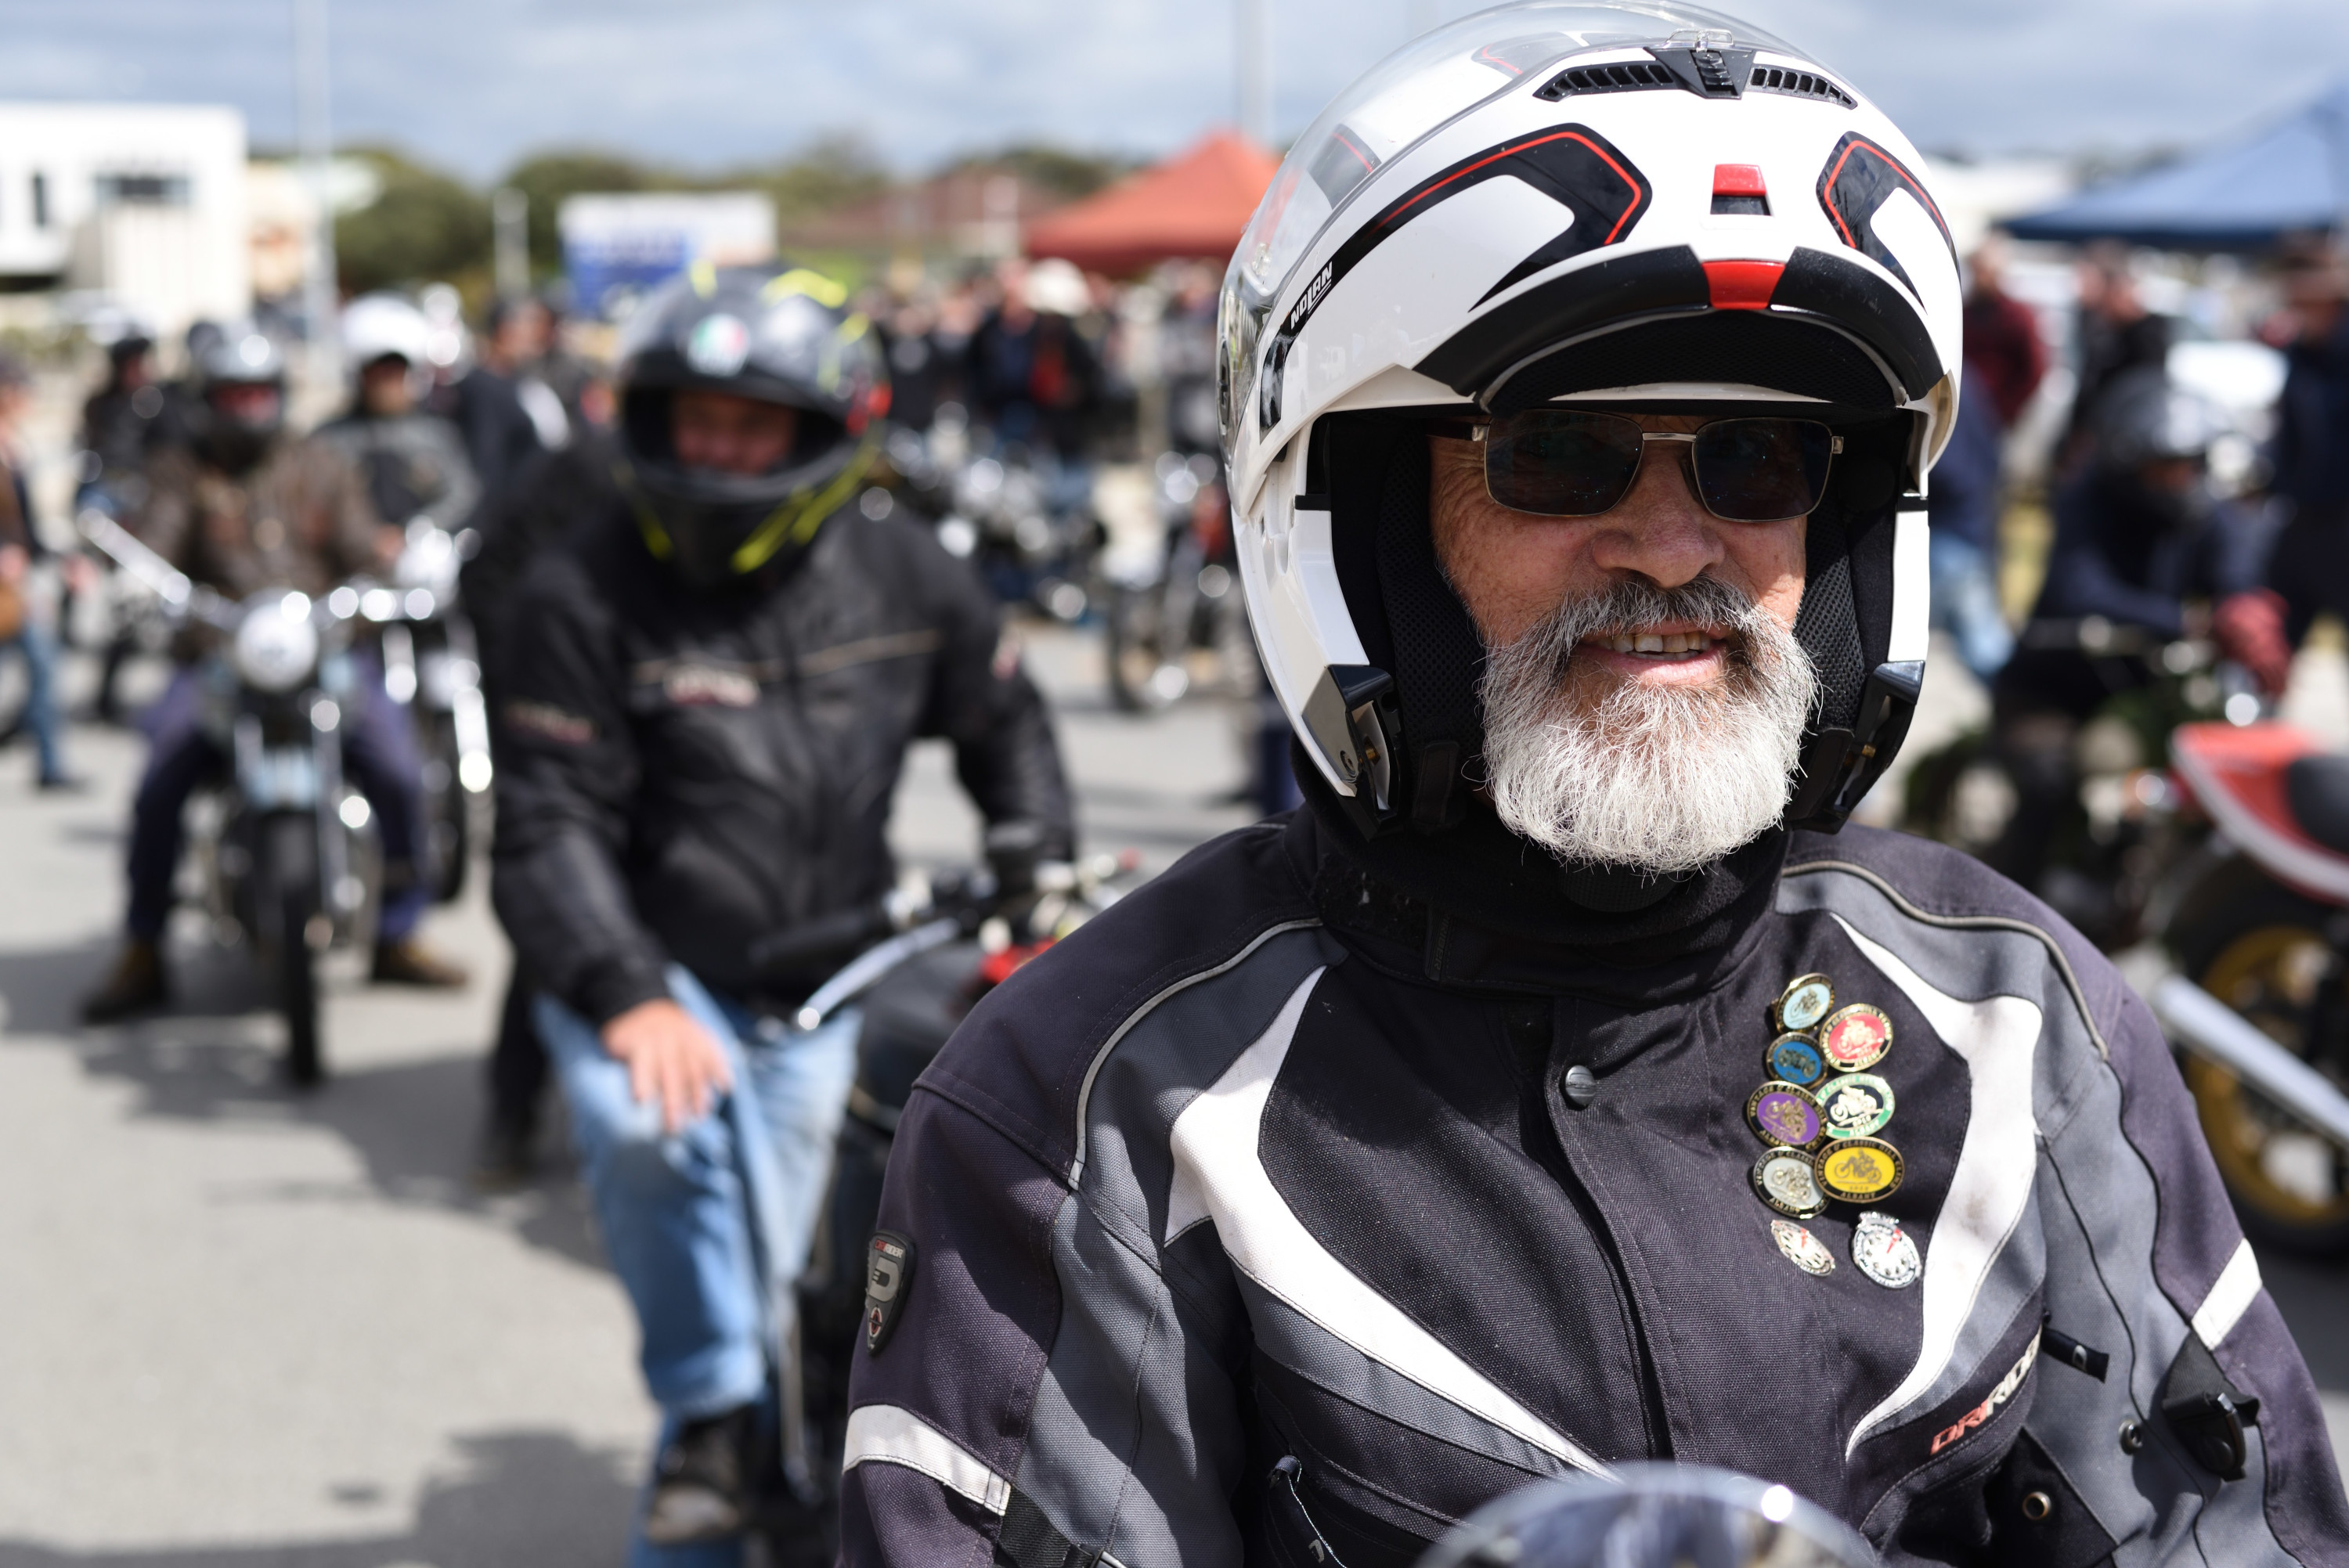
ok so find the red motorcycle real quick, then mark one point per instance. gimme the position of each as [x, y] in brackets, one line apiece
[2261, 999]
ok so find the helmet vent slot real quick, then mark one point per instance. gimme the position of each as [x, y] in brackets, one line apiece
[1622, 76]
[1799, 84]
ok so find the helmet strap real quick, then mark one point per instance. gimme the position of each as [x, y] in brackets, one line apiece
[1438, 655]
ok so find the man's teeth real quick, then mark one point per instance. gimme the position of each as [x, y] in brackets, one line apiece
[1658, 643]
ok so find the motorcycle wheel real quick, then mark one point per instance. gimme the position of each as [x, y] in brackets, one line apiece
[287, 889]
[1145, 655]
[2260, 948]
[448, 811]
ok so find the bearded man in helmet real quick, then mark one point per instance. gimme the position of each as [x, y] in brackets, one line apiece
[1559, 1089]
[710, 691]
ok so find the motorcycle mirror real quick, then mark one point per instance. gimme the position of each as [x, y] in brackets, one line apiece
[1652, 1516]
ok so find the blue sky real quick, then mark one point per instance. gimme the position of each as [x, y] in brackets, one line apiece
[472, 83]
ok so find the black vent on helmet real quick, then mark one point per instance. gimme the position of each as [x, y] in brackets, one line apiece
[1621, 77]
[1799, 84]
[1746, 348]
[1828, 624]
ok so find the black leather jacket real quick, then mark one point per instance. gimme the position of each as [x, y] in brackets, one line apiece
[681, 774]
[1318, 1194]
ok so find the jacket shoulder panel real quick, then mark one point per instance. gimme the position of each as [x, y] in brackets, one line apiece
[1027, 1058]
[1935, 886]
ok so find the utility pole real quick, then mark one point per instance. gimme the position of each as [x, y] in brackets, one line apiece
[509, 222]
[316, 136]
[1252, 43]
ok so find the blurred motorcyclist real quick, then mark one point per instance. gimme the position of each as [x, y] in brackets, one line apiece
[506, 416]
[2002, 334]
[1188, 353]
[2139, 538]
[2117, 335]
[24, 628]
[712, 686]
[1964, 513]
[2311, 564]
[251, 505]
[126, 421]
[518, 525]
[1034, 379]
[413, 462]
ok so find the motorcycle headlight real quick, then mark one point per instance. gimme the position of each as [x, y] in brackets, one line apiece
[428, 561]
[276, 648]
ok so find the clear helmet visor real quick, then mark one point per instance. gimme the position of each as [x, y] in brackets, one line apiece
[1400, 100]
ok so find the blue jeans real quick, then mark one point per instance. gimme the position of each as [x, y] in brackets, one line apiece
[1965, 604]
[379, 755]
[708, 1227]
[39, 645]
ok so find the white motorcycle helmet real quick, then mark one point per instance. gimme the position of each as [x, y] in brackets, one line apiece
[1633, 203]
[385, 326]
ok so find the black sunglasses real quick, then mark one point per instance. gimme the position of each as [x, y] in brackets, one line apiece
[1564, 462]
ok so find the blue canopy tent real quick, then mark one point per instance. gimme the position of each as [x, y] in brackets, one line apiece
[2292, 178]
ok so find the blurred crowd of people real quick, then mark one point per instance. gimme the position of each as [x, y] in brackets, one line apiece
[494, 438]
[2128, 476]
[492, 435]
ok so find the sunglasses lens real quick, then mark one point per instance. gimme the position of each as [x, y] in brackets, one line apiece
[1558, 464]
[1763, 470]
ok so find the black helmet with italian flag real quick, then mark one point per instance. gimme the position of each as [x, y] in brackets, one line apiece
[782, 334]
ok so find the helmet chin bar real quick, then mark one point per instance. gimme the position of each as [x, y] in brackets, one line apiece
[1839, 765]
[1357, 721]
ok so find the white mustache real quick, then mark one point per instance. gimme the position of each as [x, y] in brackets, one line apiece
[1664, 778]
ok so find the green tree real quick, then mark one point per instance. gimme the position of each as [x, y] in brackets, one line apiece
[546, 178]
[423, 224]
[831, 172]
[1067, 173]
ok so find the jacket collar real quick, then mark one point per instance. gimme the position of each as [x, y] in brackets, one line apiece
[1478, 908]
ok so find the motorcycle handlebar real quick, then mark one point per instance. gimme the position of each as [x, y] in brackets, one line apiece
[829, 936]
[360, 598]
[876, 936]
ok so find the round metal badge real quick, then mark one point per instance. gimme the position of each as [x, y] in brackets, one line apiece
[1784, 1179]
[1855, 1038]
[1803, 1250]
[1885, 1252]
[1859, 1170]
[1855, 1105]
[1784, 1113]
[1803, 1002]
[1796, 1058]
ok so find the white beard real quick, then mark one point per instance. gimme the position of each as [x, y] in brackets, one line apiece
[1659, 778]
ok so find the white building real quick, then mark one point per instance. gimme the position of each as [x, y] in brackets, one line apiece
[142, 203]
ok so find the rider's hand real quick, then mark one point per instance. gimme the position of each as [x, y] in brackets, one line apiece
[13, 562]
[2251, 631]
[670, 1058]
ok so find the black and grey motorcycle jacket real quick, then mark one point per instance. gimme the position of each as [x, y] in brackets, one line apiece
[414, 466]
[682, 774]
[1282, 1215]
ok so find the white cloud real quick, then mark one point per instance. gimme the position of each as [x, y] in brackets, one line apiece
[476, 83]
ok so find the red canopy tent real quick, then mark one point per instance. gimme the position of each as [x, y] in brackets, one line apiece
[1193, 205]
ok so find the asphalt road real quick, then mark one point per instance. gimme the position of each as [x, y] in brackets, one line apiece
[241, 1328]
